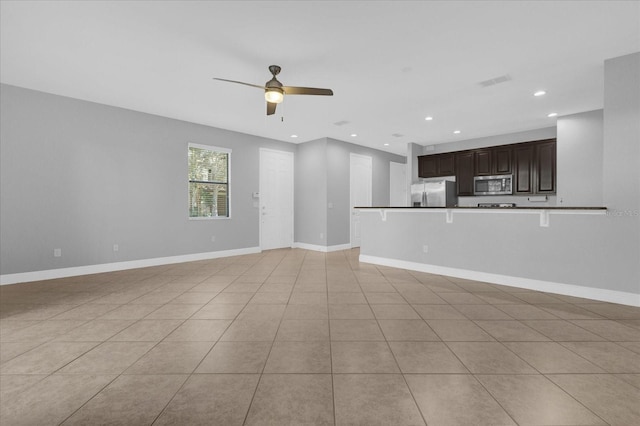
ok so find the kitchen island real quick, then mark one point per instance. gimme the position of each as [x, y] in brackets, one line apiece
[573, 251]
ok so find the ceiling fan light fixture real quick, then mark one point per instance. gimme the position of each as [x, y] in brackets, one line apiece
[274, 91]
[275, 95]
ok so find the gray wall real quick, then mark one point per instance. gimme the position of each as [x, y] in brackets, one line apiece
[590, 251]
[338, 191]
[311, 193]
[322, 179]
[569, 251]
[508, 138]
[579, 159]
[82, 177]
[621, 171]
[621, 184]
[413, 150]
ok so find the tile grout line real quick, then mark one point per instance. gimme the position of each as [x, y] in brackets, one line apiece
[140, 357]
[261, 374]
[333, 387]
[157, 286]
[395, 359]
[188, 376]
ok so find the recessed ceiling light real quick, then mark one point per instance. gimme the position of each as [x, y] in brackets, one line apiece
[429, 118]
[353, 135]
[294, 136]
[456, 132]
[540, 93]
[553, 114]
[386, 144]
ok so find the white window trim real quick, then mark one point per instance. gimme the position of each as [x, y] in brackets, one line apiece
[218, 149]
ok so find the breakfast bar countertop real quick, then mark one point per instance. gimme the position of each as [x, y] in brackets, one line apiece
[490, 208]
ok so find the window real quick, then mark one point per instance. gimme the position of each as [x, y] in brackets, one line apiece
[208, 181]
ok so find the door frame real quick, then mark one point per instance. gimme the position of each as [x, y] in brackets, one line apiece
[291, 155]
[370, 160]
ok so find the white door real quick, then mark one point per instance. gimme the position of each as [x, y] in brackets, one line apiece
[397, 184]
[276, 199]
[361, 188]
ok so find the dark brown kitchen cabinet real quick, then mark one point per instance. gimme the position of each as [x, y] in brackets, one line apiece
[427, 166]
[535, 167]
[464, 172]
[447, 164]
[502, 160]
[483, 162]
[532, 164]
[436, 165]
[493, 161]
[545, 171]
[523, 163]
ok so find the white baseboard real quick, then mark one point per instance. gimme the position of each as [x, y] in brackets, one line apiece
[120, 266]
[600, 294]
[323, 249]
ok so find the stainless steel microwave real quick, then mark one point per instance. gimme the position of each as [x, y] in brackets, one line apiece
[493, 185]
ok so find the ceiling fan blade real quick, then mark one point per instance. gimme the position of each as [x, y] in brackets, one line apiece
[271, 108]
[291, 90]
[239, 82]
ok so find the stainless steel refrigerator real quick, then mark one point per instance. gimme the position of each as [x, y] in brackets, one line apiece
[434, 194]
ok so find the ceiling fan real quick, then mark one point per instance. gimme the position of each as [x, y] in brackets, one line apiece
[274, 91]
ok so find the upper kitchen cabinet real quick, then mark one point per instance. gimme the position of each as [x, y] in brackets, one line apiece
[502, 160]
[493, 161]
[532, 164]
[523, 162]
[483, 162]
[436, 165]
[464, 172]
[535, 167]
[427, 166]
[545, 172]
[447, 164]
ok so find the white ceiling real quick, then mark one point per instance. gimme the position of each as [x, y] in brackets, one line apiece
[390, 64]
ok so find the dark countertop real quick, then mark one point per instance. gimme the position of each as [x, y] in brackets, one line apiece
[490, 208]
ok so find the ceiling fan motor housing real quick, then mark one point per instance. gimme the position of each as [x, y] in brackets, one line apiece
[274, 69]
[274, 85]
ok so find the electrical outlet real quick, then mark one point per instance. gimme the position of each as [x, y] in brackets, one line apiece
[321, 236]
[57, 252]
[425, 248]
[116, 247]
[213, 238]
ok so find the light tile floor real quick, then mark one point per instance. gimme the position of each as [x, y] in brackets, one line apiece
[299, 337]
